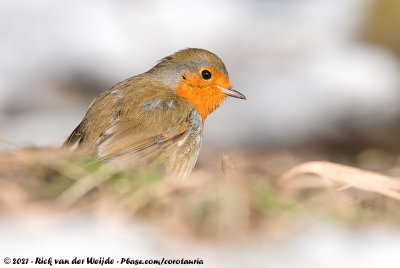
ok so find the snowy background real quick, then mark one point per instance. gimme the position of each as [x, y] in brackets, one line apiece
[299, 62]
[315, 246]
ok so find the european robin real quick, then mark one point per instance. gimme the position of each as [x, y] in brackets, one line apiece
[157, 118]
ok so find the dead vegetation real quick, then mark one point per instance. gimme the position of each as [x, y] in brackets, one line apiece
[270, 193]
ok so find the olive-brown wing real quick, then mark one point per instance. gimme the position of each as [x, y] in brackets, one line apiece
[144, 138]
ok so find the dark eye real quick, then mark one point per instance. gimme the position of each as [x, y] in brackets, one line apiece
[206, 75]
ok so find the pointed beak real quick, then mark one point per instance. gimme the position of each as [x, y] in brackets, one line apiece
[233, 93]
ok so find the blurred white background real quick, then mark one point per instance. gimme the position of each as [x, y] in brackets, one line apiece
[299, 62]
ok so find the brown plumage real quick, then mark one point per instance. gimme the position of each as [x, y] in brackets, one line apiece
[156, 118]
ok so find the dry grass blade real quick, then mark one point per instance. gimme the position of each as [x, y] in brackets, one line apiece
[8, 145]
[84, 185]
[227, 165]
[343, 175]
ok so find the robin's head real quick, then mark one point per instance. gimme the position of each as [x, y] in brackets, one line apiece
[198, 76]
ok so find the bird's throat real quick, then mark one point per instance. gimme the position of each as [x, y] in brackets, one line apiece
[204, 99]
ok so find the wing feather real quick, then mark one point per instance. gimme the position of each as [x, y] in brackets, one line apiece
[134, 140]
[154, 126]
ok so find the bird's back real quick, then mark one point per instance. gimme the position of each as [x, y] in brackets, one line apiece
[142, 122]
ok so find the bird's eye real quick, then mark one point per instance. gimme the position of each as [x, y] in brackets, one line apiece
[206, 75]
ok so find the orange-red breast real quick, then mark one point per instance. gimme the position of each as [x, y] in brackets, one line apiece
[157, 118]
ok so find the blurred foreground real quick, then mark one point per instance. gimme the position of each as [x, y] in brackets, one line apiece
[230, 216]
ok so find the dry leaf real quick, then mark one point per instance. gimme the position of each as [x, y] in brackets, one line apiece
[341, 176]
